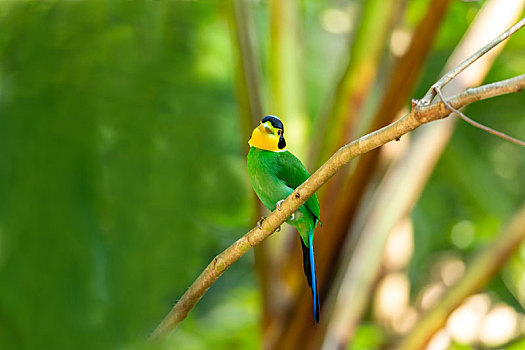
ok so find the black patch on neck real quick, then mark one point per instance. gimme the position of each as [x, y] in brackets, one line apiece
[282, 143]
[276, 122]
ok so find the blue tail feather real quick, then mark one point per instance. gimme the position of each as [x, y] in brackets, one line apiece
[309, 271]
[315, 292]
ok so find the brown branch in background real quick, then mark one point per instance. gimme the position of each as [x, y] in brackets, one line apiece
[333, 128]
[338, 122]
[342, 196]
[478, 125]
[482, 267]
[417, 117]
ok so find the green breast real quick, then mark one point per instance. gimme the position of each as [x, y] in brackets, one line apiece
[263, 167]
[274, 175]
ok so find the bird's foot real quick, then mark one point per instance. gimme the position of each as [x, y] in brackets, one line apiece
[259, 223]
[278, 206]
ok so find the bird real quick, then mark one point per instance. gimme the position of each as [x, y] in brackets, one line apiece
[274, 173]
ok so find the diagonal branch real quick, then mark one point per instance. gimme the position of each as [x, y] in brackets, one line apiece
[419, 115]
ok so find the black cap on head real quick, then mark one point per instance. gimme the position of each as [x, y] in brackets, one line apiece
[276, 122]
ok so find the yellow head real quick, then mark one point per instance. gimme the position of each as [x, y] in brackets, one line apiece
[269, 135]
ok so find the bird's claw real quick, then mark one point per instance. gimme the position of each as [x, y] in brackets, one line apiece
[259, 223]
[278, 206]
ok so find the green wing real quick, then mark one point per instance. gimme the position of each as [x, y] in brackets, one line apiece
[293, 173]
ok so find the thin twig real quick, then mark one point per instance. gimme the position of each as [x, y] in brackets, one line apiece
[478, 125]
[454, 72]
[417, 117]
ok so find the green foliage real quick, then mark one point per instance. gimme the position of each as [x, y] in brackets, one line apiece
[368, 336]
[118, 182]
[231, 324]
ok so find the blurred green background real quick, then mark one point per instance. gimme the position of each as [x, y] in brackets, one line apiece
[122, 168]
[121, 175]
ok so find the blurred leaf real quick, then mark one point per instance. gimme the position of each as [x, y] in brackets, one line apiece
[367, 337]
[232, 324]
[117, 132]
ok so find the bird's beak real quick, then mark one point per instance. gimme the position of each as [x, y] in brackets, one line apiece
[265, 128]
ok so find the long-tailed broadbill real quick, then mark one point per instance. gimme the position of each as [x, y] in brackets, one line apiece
[275, 173]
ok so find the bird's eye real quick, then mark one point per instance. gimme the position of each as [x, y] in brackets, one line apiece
[278, 132]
